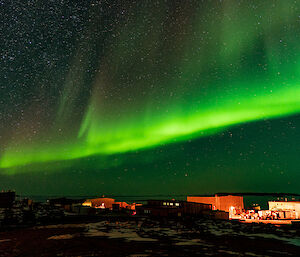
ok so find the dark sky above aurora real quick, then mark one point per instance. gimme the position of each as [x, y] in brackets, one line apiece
[149, 97]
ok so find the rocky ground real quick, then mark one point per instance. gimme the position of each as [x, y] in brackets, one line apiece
[148, 237]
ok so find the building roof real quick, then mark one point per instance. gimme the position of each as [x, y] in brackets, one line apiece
[249, 193]
[290, 201]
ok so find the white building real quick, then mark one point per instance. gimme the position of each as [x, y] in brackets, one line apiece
[293, 207]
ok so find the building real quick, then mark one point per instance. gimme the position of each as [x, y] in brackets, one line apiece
[288, 209]
[221, 202]
[65, 203]
[103, 203]
[173, 208]
[7, 199]
[108, 203]
[79, 209]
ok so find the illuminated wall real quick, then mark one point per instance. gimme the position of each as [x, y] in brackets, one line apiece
[284, 206]
[222, 203]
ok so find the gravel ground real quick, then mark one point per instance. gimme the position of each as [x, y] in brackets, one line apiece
[145, 237]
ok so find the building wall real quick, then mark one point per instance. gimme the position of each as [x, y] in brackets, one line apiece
[220, 215]
[192, 208]
[108, 202]
[284, 206]
[123, 205]
[222, 203]
[225, 202]
[165, 208]
[203, 199]
[7, 199]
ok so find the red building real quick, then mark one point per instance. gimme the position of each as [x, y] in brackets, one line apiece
[220, 202]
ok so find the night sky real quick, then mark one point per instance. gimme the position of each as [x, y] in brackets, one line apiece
[149, 97]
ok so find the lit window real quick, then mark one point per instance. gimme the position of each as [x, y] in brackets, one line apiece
[171, 204]
[177, 204]
[164, 203]
[168, 203]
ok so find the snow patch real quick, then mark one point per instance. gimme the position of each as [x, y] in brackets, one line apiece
[60, 237]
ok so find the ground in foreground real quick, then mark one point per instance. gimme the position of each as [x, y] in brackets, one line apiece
[148, 237]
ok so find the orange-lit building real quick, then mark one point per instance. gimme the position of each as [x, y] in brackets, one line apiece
[105, 203]
[221, 202]
[108, 203]
[123, 205]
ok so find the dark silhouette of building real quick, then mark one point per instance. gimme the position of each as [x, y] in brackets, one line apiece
[167, 208]
[65, 203]
[7, 199]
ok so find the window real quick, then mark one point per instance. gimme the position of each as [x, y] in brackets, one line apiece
[176, 204]
[171, 204]
[164, 203]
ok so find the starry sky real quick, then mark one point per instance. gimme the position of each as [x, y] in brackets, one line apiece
[149, 97]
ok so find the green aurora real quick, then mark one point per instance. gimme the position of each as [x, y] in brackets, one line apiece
[99, 140]
[201, 72]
